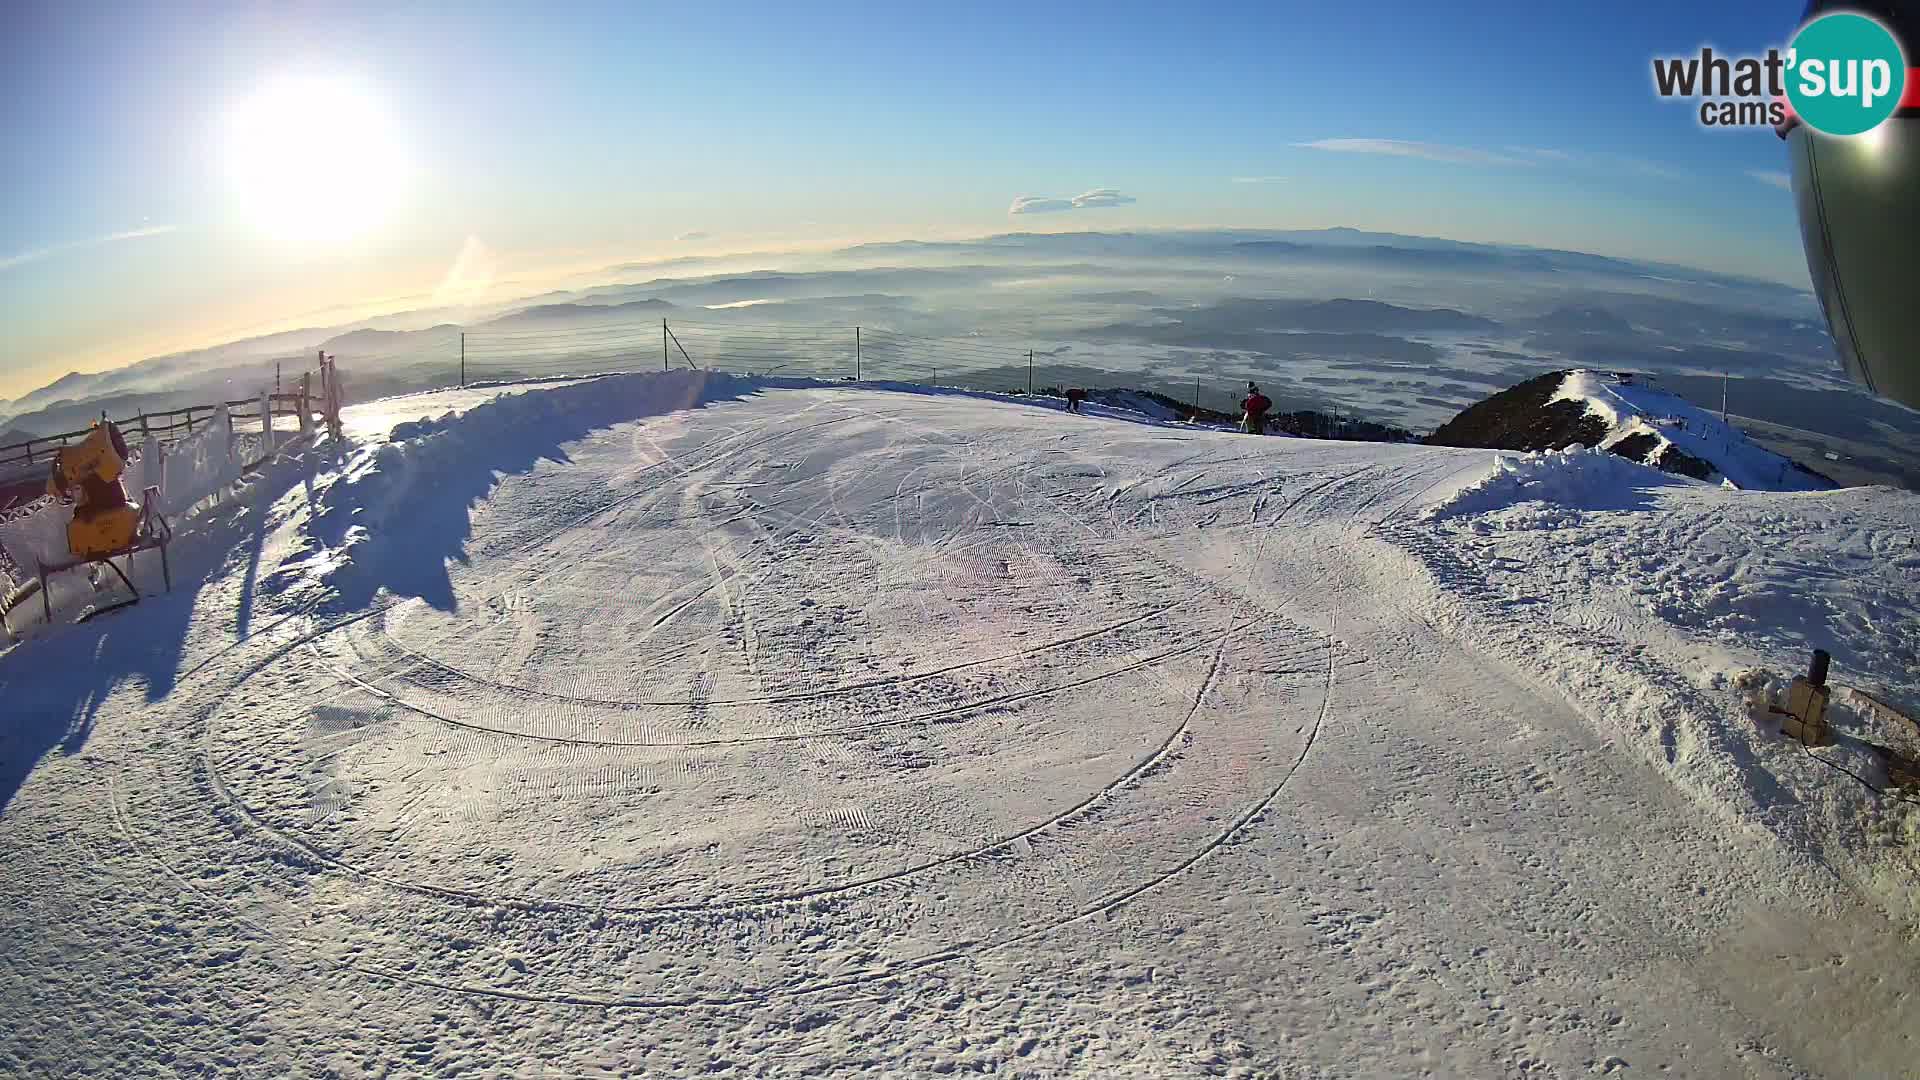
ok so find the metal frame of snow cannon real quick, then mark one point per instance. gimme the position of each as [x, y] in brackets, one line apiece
[1805, 714]
[152, 534]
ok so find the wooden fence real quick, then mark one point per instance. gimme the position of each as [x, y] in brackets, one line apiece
[173, 425]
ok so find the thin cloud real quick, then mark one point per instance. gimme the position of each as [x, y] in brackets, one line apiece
[24, 257]
[1039, 204]
[8, 262]
[1772, 176]
[135, 234]
[696, 234]
[1105, 196]
[1259, 179]
[1453, 155]
[1096, 199]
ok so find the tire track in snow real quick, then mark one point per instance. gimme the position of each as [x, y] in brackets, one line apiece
[317, 855]
[961, 951]
[861, 730]
[301, 621]
[804, 695]
[542, 568]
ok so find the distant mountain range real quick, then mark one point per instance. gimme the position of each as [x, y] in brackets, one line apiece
[567, 312]
[1340, 245]
[1255, 299]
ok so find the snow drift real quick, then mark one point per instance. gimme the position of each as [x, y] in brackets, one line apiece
[398, 509]
[1577, 478]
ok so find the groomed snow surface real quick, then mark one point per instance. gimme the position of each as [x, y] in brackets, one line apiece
[677, 724]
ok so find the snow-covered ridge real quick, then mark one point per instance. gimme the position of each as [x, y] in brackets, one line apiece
[1667, 431]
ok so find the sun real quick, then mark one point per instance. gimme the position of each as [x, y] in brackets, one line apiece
[315, 162]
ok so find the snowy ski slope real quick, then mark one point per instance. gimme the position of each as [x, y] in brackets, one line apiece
[677, 724]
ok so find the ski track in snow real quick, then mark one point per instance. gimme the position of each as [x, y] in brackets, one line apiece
[798, 716]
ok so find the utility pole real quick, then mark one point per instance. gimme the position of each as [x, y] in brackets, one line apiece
[1196, 395]
[1029, 372]
[663, 344]
[1723, 397]
[463, 359]
[856, 354]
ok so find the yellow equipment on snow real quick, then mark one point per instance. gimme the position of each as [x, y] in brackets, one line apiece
[104, 522]
[105, 525]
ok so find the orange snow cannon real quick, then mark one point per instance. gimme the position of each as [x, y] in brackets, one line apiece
[104, 522]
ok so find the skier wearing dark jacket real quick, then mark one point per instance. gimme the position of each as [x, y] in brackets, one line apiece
[1254, 408]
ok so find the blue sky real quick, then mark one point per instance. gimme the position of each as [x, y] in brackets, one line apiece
[564, 135]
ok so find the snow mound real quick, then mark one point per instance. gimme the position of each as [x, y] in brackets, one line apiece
[1671, 433]
[1575, 479]
[398, 509]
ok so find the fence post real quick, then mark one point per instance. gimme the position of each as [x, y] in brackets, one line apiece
[266, 424]
[144, 433]
[856, 354]
[1029, 372]
[327, 404]
[463, 359]
[306, 405]
[339, 397]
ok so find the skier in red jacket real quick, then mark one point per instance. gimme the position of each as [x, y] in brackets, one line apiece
[1254, 409]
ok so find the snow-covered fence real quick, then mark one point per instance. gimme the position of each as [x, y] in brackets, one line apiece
[580, 340]
[191, 460]
[187, 473]
[174, 425]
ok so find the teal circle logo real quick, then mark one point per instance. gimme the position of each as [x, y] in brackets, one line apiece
[1845, 74]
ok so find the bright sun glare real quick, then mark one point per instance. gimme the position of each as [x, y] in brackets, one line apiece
[315, 162]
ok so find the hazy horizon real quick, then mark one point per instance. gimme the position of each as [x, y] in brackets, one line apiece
[200, 175]
[1398, 329]
[478, 283]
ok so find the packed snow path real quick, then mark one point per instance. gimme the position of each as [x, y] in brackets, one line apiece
[834, 731]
